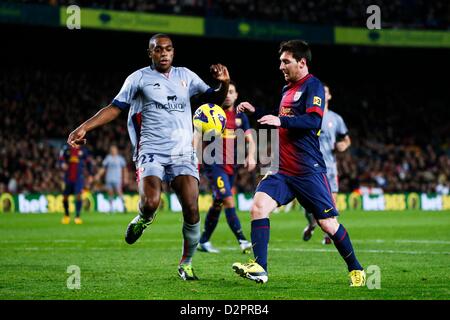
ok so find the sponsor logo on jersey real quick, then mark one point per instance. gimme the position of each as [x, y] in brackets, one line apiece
[171, 105]
[286, 111]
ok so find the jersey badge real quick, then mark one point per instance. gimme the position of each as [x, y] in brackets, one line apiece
[317, 101]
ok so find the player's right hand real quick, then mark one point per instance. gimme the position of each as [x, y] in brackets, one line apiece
[245, 106]
[76, 137]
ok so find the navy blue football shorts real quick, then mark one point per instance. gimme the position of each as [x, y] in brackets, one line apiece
[221, 182]
[312, 192]
[73, 187]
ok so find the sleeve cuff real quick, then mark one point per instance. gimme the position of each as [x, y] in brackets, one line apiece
[284, 122]
[120, 105]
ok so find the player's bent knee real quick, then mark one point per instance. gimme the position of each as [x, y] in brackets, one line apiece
[190, 209]
[217, 204]
[228, 202]
[258, 211]
[329, 225]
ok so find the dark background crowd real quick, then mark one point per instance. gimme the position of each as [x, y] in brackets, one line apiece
[395, 13]
[394, 104]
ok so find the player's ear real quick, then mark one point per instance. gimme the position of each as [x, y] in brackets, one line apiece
[302, 63]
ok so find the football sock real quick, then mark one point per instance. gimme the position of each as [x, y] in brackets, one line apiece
[343, 244]
[211, 220]
[191, 236]
[66, 207]
[123, 202]
[310, 217]
[260, 240]
[111, 205]
[77, 208]
[234, 223]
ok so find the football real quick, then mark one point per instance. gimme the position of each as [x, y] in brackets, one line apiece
[210, 117]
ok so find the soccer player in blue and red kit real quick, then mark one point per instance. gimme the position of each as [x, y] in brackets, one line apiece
[73, 160]
[221, 175]
[302, 171]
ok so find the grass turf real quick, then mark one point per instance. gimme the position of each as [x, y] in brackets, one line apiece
[412, 250]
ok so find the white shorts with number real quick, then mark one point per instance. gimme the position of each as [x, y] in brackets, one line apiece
[166, 167]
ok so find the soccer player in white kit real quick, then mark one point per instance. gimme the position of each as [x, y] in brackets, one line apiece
[157, 98]
[333, 137]
[115, 171]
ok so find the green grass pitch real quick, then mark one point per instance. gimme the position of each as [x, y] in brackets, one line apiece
[412, 250]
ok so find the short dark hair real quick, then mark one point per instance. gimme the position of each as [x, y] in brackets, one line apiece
[299, 49]
[157, 36]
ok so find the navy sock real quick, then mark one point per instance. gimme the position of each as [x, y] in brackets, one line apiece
[211, 220]
[77, 208]
[234, 223]
[260, 240]
[66, 207]
[343, 244]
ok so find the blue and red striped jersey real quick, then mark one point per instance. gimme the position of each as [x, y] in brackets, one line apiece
[235, 121]
[301, 110]
[76, 159]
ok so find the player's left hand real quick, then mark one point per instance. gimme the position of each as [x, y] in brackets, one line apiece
[76, 137]
[341, 146]
[270, 120]
[250, 163]
[220, 72]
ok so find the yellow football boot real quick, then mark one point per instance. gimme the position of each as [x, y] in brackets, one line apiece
[357, 278]
[78, 220]
[65, 220]
[251, 271]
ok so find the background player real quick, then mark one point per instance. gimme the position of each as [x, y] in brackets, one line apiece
[221, 176]
[115, 167]
[161, 132]
[301, 172]
[73, 160]
[333, 137]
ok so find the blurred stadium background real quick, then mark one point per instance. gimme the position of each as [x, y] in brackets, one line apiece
[389, 85]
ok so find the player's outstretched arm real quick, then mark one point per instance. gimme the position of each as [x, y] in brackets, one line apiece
[255, 112]
[105, 115]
